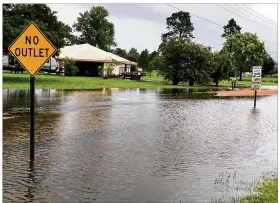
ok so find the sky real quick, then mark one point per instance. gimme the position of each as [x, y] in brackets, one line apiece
[141, 25]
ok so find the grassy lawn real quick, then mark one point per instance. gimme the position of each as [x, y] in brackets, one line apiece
[246, 81]
[46, 81]
[267, 192]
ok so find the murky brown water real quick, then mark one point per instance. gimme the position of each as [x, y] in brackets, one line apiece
[136, 146]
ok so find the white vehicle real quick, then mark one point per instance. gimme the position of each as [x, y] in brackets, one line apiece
[50, 66]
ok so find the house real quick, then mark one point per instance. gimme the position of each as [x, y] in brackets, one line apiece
[89, 58]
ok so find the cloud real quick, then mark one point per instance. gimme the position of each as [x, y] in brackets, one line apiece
[141, 25]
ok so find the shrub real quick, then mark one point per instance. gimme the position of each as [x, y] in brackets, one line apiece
[68, 64]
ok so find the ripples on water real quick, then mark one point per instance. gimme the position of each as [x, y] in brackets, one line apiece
[136, 145]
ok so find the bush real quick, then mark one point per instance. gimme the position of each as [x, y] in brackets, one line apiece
[69, 65]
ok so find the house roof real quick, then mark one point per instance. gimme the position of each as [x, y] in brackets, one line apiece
[87, 52]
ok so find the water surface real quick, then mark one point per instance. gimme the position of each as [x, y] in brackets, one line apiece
[136, 145]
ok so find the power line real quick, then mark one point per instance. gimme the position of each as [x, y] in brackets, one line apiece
[263, 21]
[195, 15]
[243, 16]
[259, 14]
[209, 20]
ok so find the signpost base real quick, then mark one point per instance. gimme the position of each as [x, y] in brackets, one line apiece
[255, 100]
[32, 117]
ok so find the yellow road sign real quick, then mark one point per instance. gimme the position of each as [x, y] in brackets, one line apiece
[32, 49]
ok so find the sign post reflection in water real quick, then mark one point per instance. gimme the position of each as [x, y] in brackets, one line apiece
[32, 49]
[256, 80]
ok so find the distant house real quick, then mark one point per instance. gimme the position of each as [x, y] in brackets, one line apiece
[89, 58]
[248, 74]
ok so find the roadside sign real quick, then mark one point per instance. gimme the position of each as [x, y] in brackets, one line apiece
[256, 81]
[257, 72]
[256, 84]
[32, 49]
[256, 77]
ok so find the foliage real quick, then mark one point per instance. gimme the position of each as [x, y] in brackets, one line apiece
[133, 55]
[68, 65]
[247, 51]
[17, 16]
[107, 72]
[267, 192]
[231, 28]
[186, 62]
[179, 26]
[95, 28]
[157, 63]
[223, 66]
[120, 52]
[268, 65]
[143, 61]
[153, 55]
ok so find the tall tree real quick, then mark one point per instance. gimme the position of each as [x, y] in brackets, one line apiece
[133, 55]
[180, 26]
[231, 28]
[17, 16]
[95, 29]
[143, 61]
[153, 55]
[223, 66]
[186, 62]
[247, 51]
[268, 65]
[120, 52]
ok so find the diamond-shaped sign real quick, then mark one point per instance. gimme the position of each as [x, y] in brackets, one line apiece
[32, 49]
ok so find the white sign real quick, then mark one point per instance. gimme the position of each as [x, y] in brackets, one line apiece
[256, 78]
[257, 72]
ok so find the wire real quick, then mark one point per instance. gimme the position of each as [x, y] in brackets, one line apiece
[244, 17]
[210, 21]
[263, 21]
[259, 14]
[196, 16]
[256, 15]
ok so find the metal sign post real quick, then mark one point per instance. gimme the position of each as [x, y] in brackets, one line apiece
[256, 81]
[32, 49]
[32, 117]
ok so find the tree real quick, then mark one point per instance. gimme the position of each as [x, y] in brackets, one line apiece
[143, 61]
[17, 16]
[179, 26]
[153, 54]
[224, 66]
[268, 65]
[120, 52]
[133, 55]
[247, 51]
[95, 29]
[186, 62]
[157, 63]
[231, 28]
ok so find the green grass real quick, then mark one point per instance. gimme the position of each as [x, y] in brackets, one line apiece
[45, 81]
[266, 192]
[154, 77]
[246, 81]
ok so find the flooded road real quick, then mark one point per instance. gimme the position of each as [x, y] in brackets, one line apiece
[136, 145]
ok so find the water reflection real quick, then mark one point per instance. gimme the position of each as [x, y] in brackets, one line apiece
[138, 145]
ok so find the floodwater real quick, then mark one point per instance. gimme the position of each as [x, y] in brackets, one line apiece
[136, 145]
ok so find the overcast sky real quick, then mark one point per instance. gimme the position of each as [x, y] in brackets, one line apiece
[141, 25]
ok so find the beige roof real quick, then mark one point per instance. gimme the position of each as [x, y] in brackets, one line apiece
[87, 52]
